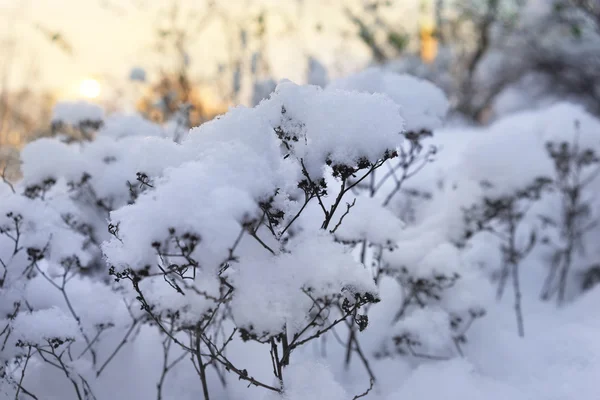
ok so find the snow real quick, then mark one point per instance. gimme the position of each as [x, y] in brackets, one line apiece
[40, 226]
[454, 380]
[40, 326]
[311, 380]
[220, 224]
[333, 125]
[218, 233]
[73, 113]
[429, 328]
[289, 275]
[48, 158]
[423, 105]
[529, 130]
[118, 126]
[366, 219]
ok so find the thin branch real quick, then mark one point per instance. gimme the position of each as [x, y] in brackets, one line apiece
[366, 392]
[306, 201]
[116, 350]
[20, 384]
[242, 373]
[259, 240]
[348, 207]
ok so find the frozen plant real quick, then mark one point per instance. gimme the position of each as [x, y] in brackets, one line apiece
[425, 275]
[576, 167]
[242, 239]
[77, 119]
[502, 216]
[53, 222]
[208, 266]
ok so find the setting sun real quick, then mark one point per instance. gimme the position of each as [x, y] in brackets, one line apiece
[89, 88]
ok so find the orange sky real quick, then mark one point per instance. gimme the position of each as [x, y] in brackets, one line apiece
[108, 41]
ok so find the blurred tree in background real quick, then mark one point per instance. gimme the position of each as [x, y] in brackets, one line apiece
[482, 48]
[25, 113]
[176, 86]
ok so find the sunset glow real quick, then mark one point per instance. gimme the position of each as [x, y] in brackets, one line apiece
[89, 88]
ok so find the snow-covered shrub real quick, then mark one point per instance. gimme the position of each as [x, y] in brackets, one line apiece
[576, 167]
[230, 235]
[503, 215]
[526, 189]
[39, 255]
[78, 120]
[425, 271]
[59, 311]
[423, 105]
[321, 228]
[96, 176]
[244, 230]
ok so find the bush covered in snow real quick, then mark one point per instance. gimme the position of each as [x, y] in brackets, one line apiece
[328, 243]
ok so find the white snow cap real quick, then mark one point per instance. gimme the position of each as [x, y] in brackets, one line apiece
[335, 125]
[39, 326]
[424, 105]
[75, 112]
[122, 125]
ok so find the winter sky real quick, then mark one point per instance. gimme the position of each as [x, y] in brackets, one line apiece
[108, 38]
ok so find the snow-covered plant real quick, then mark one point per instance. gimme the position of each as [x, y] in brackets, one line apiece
[241, 238]
[425, 277]
[546, 198]
[265, 231]
[53, 222]
[576, 168]
[78, 120]
[39, 255]
[503, 216]
[96, 176]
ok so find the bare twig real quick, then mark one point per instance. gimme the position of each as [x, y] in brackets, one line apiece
[366, 392]
[348, 207]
